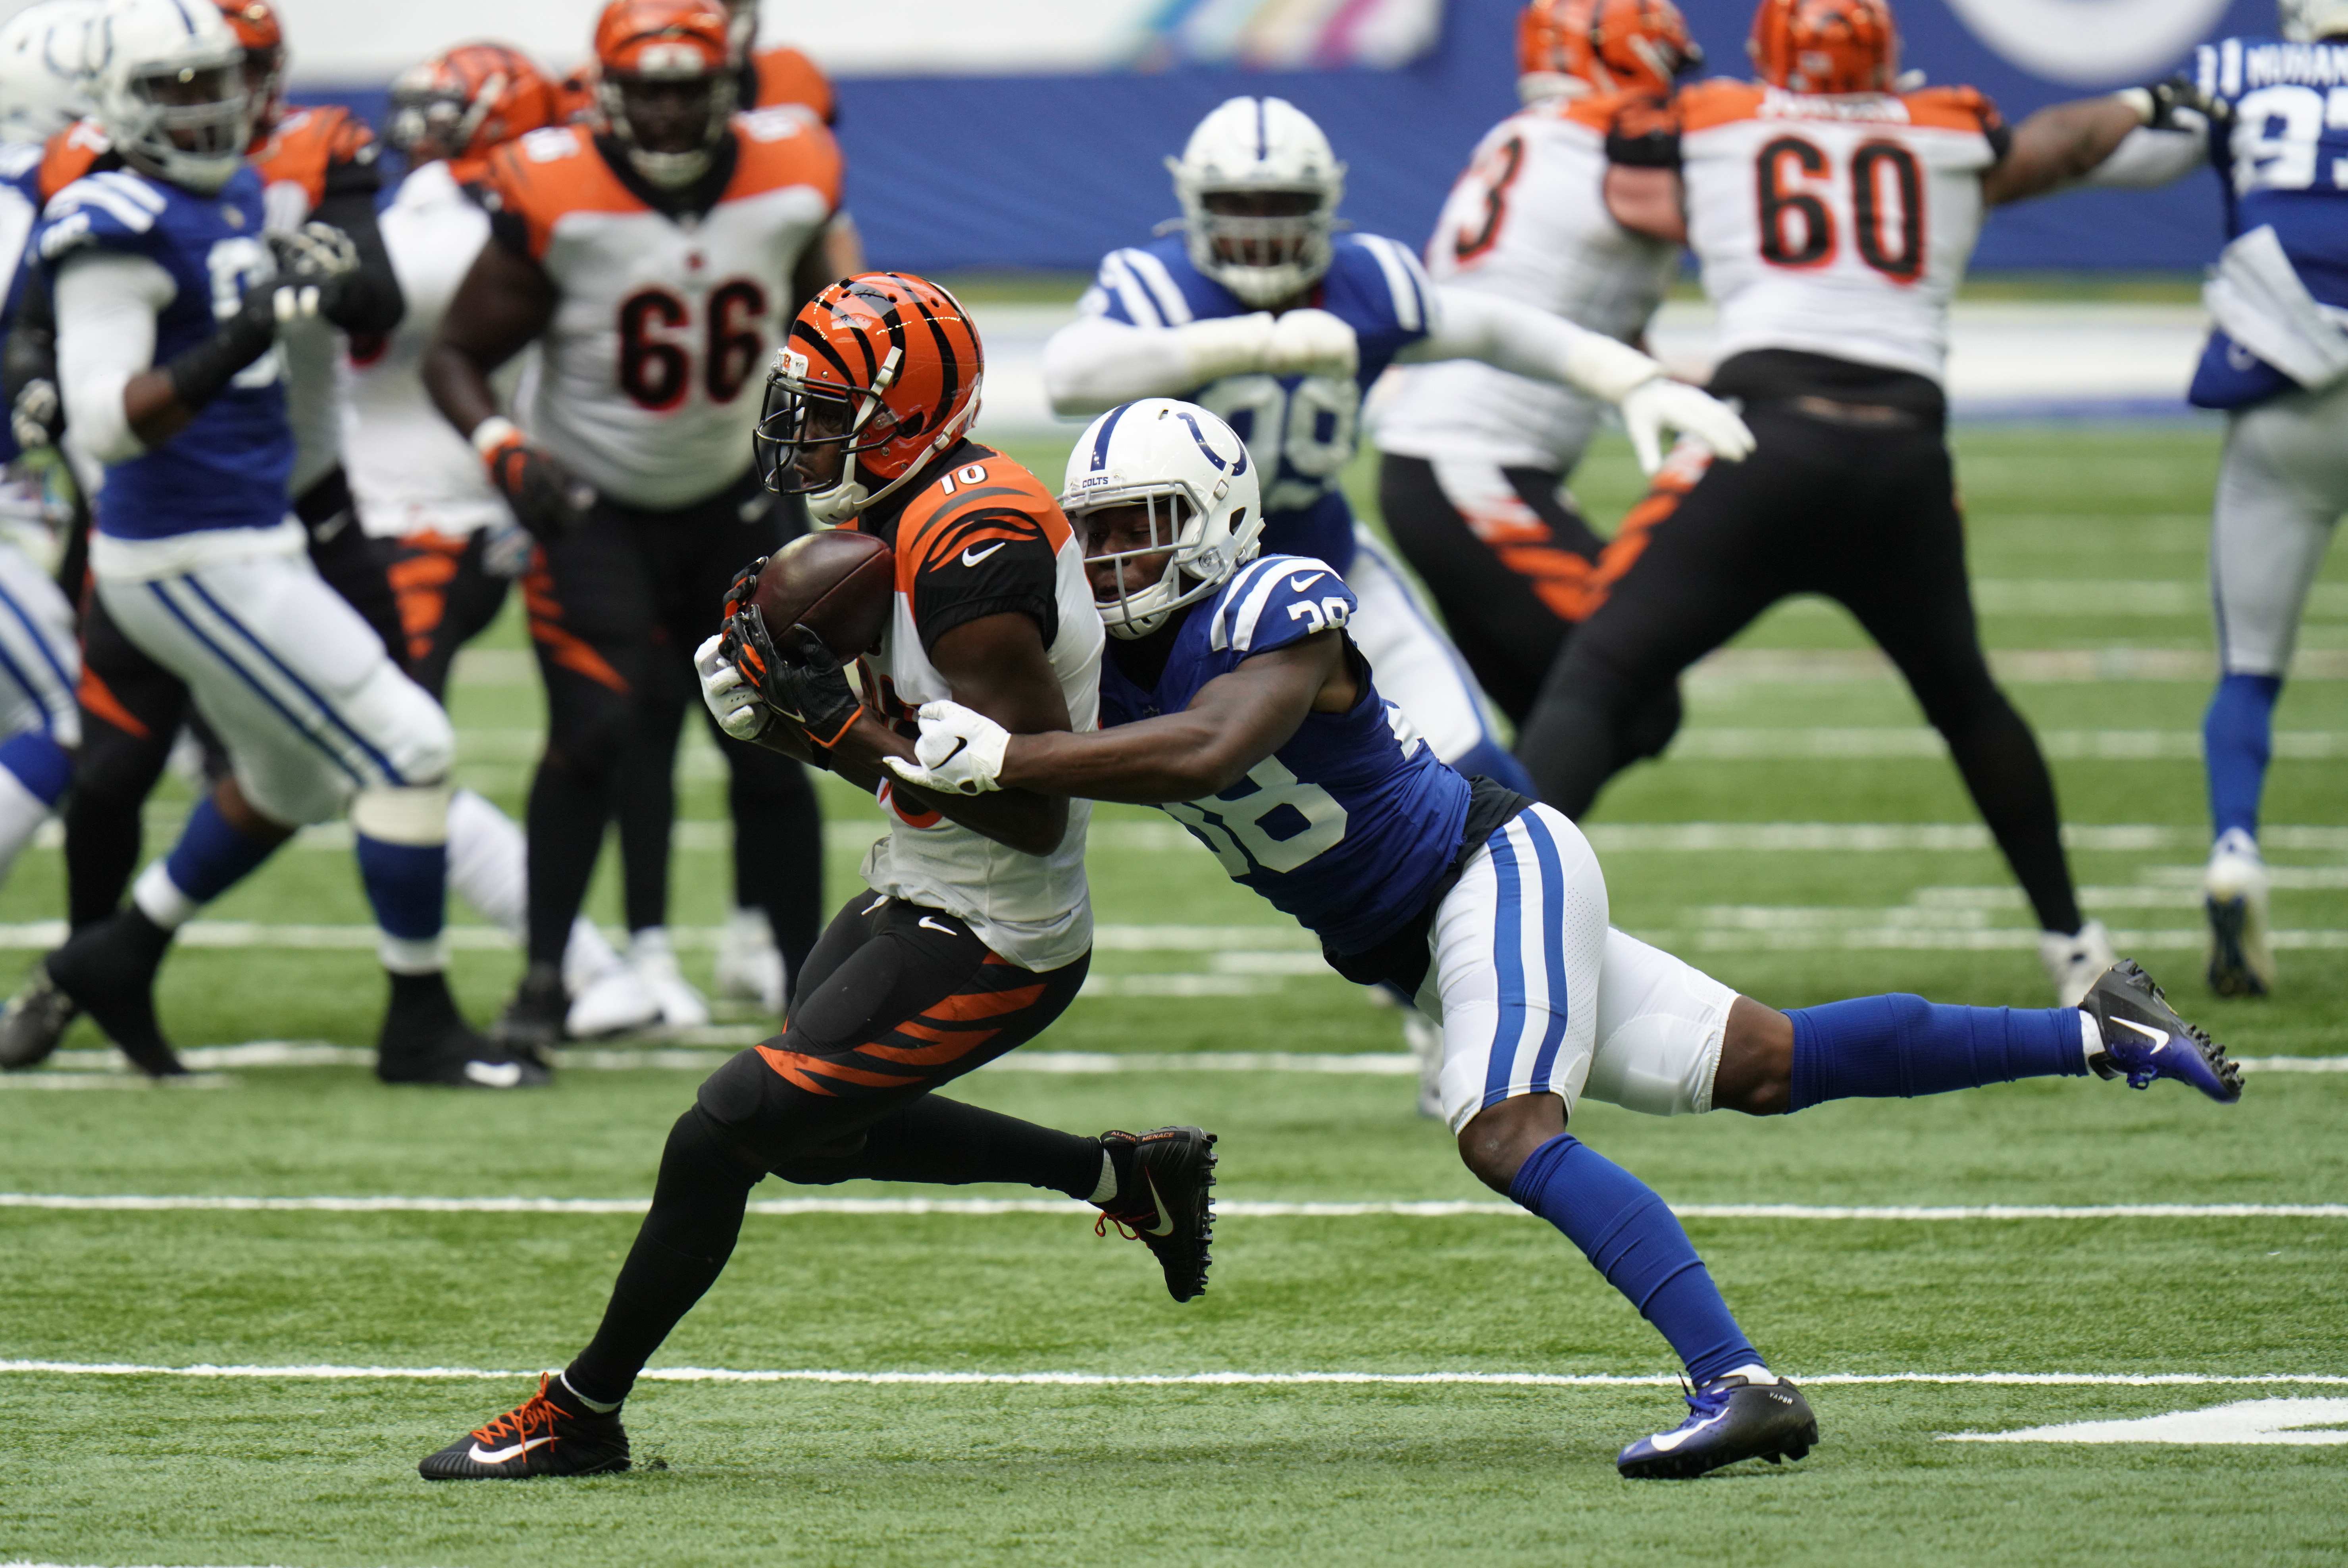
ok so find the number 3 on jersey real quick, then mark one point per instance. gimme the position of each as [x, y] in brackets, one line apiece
[660, 340]
[1807, 205]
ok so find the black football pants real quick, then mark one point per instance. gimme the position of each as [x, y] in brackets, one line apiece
[1863, 512]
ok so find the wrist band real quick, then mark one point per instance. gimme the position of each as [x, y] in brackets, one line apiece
[494, 432]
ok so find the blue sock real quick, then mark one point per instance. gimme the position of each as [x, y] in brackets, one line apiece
[1495, 762]
[39, 763]
[2237, 739]
[1898, 1047]
[1633, 1239]
[408, 886]
[211, 856]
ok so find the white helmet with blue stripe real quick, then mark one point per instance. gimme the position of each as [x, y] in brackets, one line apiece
[2307, 21]
[1260, 186]
[1193, 474]
[44, 56]
[169, 89]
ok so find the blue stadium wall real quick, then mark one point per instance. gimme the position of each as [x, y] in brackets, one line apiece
[954, 173]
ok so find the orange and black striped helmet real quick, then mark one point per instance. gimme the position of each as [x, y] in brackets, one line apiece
[464, 101]
[665, 41]
[262, 38]
[884, 369]
[1827, 45]
[1607, 46]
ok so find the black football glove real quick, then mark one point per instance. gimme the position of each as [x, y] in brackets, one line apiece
[799, 677]
[320, 257]
[546, 499]
[2181, 92]
[738, 592]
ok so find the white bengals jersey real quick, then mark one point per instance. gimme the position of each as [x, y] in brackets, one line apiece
[409, 469]
[1837, 225]
[653, 364]
[1527, 222]
[983, 537]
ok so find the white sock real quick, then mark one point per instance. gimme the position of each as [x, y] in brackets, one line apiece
[488, 861]
[597, 1406]
[2092, 1037]
[1107, 1187]
[160, 898]
[22, 812]
[409, 956]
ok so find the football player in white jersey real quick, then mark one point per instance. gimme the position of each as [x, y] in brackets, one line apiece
[2278, 365]
[977, 932]
[1833, 216]
[1476, 459]
[1263, 312]
[653, 262]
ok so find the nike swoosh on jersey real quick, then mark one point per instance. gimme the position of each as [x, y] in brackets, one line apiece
[1165, 1226]
[493, 1075]
[933, 925]
[1299, 584]
[973, 555]
[1667, 1441]
[2159, 1037]
[480, 1455]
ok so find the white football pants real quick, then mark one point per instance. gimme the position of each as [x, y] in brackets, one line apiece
[40, 658]
[1414, 664]
[1536, 995]
[296, 684]
[2280, 492]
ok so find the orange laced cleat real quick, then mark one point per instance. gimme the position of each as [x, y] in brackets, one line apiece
[1165, 1200]
[540, 1437]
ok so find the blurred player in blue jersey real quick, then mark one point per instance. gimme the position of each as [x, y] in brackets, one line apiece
[1259, 310]
[169, 303]
[1234, 697]
[2277, 362]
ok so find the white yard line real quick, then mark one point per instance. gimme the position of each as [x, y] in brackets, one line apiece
[1229, 1209]
[1191, 1380]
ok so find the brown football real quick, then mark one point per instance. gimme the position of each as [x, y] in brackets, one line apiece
[839, 585]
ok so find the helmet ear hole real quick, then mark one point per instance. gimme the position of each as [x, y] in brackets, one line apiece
[1160, 453]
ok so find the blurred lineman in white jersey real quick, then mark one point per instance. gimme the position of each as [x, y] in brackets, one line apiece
[1833, 215]
[2277, 363]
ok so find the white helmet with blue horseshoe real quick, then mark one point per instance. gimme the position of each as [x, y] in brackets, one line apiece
[1193, 473]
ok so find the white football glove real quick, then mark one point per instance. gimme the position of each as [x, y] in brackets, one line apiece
[1313, 342]
[959, 751]
[1654, 407]
[1223, 346]
[735, 702]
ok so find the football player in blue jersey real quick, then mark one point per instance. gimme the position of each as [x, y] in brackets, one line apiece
[2278, 364]
[169, 303]
[1234, 697]
[1261, 311]
[40, 93]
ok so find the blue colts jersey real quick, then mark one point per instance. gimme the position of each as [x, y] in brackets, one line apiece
[20, 209]
[1301, 428]
[1350, 826]
[230, 467]
[2283, 160]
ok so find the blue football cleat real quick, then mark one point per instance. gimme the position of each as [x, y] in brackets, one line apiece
[2144, 1039]
[1746, 1415]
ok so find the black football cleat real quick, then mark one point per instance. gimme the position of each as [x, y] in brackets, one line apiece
[1165, 1200]
[532, 1026]
[540, 1437]
[38, 1018]
[2144, 1039]
[1746, 1415]
[108, 971]
[426, 1040]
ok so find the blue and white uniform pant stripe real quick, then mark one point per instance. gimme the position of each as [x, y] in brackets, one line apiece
[40, 660]
[299, 688]
[2281, 493]
[1536, 994]
[1419, 671]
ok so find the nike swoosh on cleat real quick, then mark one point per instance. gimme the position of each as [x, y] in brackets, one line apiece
[1165, 1226]
[493, 1075]
[933, 925]
[1299, 584]
[973, 555]
[480, 1455]
[2159, 1037]
[1667, 1441]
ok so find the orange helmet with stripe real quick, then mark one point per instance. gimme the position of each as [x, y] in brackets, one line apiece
[665, 47]
[880, 373]
[464, 101]
[262, 38]
[1571, 48]
[1827, 45]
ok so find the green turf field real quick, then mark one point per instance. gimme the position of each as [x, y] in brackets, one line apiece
[1805, 842]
